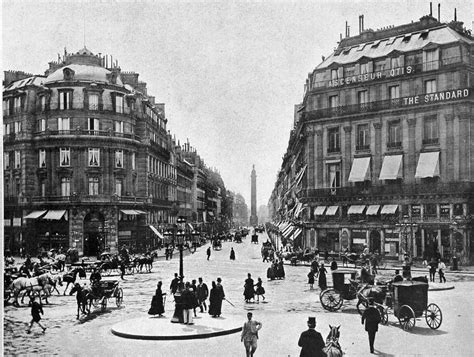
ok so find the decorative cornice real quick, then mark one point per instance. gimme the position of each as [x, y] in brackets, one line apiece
[348, 129]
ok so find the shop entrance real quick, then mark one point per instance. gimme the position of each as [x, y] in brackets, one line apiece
[94, 233]
[375, 242]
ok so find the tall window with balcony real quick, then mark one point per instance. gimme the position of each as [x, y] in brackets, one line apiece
[362, 100]
[42, 125]
[363, 138]
[93, 186]
[42, 103]
[119, 127]
[17, 104]
[6, 160]
[65, 99]
[94, 157]
[334, 175]
[118, 103]
[17, 159]
[119, 159]
[42, 158]
[64, 157]
[118, 187]
[63, 125]
[394, 134]
[6, 107]
[132, 159]
[431, 60]
[430, 86]
[430, 130]
[333, 103]
[394, 94]
[17, 127]
[65, 186]
[334, 144]
[93, 126]
[93, 101]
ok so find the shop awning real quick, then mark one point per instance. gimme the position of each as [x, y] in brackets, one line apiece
[284, 226]
[288, 231]
[389, 209]
[331, 210]
[55, 214]
[298, 209]
[428, 165]
[131, 212]
[289, 227]
[34, 214]
[391, 167]
[296, 234]
[190, 226]
[156, 232]
[372, 210]
[356, 209]
[360, 169]
[319, 211]
[300, 175]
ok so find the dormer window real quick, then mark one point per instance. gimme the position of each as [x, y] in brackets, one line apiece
[68, 74]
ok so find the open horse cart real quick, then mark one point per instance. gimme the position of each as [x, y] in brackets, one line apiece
[410, 301]
[344, 288]
[107, 289]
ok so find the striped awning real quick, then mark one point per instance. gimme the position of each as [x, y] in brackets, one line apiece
[156, 232]
[288, 231]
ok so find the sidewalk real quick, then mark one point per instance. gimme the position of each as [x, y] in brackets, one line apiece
[161, 328]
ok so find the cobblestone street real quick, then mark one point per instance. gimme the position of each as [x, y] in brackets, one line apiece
[288, 304]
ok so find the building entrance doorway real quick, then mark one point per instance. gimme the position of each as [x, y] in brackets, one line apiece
[94, 239]
[375, 242]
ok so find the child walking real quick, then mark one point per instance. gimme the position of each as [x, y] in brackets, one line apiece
[260, 290]
[36, 309]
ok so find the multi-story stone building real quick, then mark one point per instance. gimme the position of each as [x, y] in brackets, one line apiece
[382, 149]
[88, 161]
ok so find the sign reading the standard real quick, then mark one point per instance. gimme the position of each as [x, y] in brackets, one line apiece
[437, 97]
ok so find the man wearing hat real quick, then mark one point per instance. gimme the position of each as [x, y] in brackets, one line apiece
[372, 318]
[311, 341]
[250, 334]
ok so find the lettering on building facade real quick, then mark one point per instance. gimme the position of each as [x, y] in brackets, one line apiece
[366, 77]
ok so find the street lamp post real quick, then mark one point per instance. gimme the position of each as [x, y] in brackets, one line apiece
[179, 238]
[405, 225]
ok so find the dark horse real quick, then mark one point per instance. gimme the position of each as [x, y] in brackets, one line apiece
[333, 349]
[70, 276]
[146, 261]
[84, 298]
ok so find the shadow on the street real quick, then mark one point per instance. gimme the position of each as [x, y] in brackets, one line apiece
[93, 315]
[380, 353]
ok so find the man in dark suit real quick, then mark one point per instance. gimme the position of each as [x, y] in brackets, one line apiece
[372, 318]
[311, 341]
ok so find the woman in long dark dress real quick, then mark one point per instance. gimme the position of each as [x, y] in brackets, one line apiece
[157, 307]
[322, 278]
[214, 296]
[249, 293]
[232, 254]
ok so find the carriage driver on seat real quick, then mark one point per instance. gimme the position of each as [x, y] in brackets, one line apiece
[95, 279]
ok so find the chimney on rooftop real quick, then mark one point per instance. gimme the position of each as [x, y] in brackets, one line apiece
[455, 15]
[439, 12]
[431, 9]
[361, 24]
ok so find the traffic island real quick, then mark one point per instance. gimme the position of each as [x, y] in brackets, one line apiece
[161, 328]
[439, 286]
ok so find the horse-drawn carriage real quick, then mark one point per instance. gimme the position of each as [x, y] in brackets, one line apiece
[107, 289]
[345, 287]
[409, 300]
[216, 244]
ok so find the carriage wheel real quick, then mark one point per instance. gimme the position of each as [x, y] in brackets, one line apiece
[330, 299]
[383, 314]
[119, 297]
[96, 302]
[433, 316]
[406, 317]
[361, 306]
[104, 304]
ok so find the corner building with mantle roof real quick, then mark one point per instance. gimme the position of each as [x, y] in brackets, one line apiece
[381, 153]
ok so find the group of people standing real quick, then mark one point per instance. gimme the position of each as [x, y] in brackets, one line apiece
[193, 294]
[319, 272]
[251, 289]
[438, 266]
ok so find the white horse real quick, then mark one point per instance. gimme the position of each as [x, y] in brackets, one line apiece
[44, 283]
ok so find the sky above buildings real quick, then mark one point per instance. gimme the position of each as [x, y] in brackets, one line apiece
[228, 72]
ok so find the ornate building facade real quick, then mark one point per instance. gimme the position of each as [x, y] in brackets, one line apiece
[88, 160]
[382, 151]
